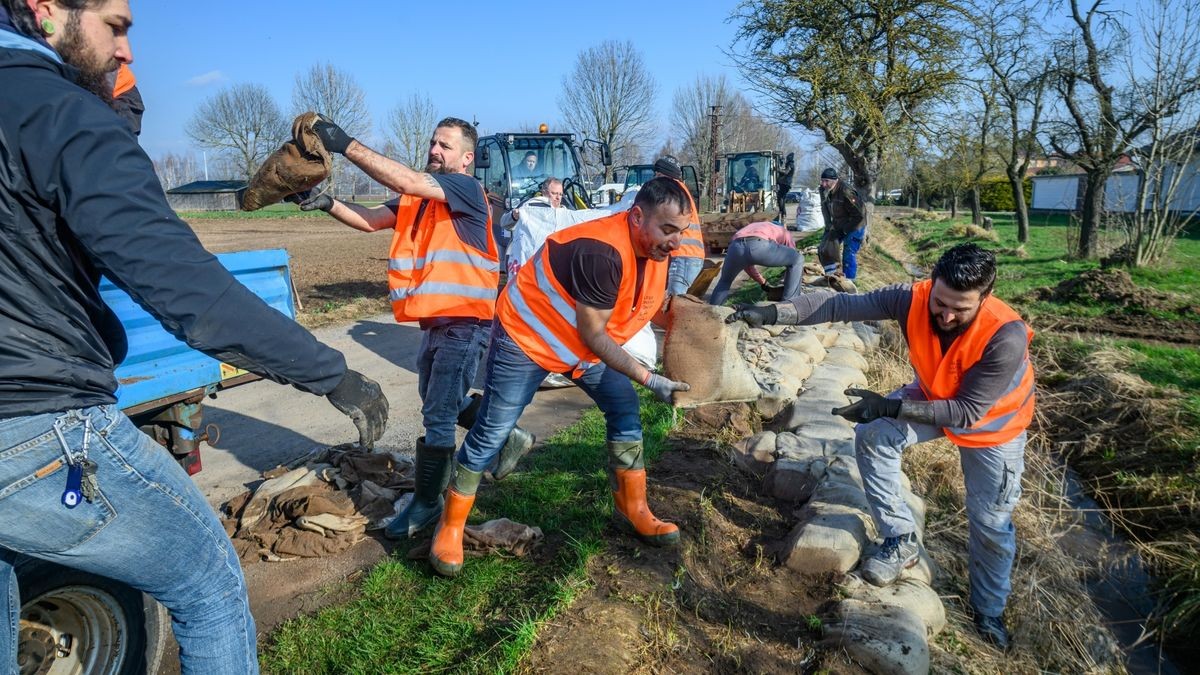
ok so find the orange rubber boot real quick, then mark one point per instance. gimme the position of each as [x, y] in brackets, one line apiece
[446, 554]
[632, 514]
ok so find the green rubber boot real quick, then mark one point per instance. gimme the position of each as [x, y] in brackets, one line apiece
[432, 477]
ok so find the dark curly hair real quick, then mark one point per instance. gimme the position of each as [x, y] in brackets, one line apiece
[967, 267]
[24, 20]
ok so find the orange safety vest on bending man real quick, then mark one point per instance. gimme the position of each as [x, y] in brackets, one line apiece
[539, 316]
[940, 375]
[432, 272]
[125, 81]
[691, 244]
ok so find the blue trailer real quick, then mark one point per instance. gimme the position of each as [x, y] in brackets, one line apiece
[75, 622]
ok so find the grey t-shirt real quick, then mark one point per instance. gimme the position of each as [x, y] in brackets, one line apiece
[982, 385]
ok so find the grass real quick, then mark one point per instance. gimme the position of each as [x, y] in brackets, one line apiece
[407, 619]
[282, 210]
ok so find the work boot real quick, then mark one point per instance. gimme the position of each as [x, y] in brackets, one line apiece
[896, 555]
[466, 418]
[992, 630]
[446, 554]
[519, 443]
[432, 477]
[631, 514]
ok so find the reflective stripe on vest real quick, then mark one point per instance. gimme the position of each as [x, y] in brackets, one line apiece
[432, 272]
[541, 319]
[692, 243]
[940, 375]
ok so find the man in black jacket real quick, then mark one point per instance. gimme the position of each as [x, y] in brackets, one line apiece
[79, 484]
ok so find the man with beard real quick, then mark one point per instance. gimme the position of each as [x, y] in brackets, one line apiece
[443, 272]
[588, 290]
[82, 486]
[974, 385]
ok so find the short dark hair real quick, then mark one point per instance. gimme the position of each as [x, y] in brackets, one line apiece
[967, 267]
[24, 20]
[470, 135]
[662, 190]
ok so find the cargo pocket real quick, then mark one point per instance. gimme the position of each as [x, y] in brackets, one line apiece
[33, 477]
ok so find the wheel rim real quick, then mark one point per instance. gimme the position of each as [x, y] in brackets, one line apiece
[71, 631]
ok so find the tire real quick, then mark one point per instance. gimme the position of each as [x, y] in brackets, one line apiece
[100, 626]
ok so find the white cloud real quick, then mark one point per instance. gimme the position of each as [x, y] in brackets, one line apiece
[211, 77]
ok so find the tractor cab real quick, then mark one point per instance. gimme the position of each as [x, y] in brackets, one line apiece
[513, 166]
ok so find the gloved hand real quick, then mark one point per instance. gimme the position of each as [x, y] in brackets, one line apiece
[755, 316]
[331, 135]
[362, 400]
[869, 407]
[310, 202]
[663, 387]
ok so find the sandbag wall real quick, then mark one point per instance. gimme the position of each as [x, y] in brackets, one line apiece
[809, 459]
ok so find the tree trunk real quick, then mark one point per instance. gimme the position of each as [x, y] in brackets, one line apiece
[1021, 212]
[954, 204]
[1093, 209]
[976, 212]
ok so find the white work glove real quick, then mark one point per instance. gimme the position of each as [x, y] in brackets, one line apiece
[664, 387]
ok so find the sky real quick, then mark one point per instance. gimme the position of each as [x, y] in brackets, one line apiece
[500, 63]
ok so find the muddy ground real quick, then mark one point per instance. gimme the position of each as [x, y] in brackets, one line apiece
[333, 266]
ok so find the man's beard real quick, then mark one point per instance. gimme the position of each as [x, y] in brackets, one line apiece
[93, 70]
[951, 333]
[437, 167]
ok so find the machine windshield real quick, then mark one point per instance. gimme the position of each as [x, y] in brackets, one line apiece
[536, 158]
[748, 173]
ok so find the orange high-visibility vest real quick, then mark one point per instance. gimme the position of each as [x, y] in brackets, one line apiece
[434, 273]
[540, 317]
[691, 243]
[940, 375]
[125, 81]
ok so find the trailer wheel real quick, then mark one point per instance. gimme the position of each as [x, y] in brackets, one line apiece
[75, 622]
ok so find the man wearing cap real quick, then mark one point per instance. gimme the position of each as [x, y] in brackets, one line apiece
[845, 224]
[783, 183]
[688, 259]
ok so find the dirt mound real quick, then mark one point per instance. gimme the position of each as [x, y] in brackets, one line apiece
[718, 603]
[1110, 287]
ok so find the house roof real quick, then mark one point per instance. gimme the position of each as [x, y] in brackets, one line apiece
[208, 186]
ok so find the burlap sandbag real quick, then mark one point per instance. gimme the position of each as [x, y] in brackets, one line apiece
[701, 349]
[299, 165]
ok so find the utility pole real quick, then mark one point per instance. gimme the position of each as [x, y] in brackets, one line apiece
[714, 118]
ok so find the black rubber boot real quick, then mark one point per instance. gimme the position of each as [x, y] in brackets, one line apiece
[432, 476]
[466, 418]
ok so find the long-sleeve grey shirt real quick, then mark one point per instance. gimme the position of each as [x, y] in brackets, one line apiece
[982, 384]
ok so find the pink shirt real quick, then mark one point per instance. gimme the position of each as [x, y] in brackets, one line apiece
[773, 233]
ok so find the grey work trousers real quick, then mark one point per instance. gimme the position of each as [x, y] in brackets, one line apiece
[993, 484]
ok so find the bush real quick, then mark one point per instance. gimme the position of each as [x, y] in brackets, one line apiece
[995, 194]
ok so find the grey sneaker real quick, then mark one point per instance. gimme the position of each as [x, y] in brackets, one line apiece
[992, 630]
[896, 555]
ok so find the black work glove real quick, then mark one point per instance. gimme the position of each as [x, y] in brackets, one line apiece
[331, 135]
[869, 407]
[310, 202]
[755, 316]
[664, 387]
[362, 400]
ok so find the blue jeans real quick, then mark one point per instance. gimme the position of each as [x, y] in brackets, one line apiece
[512, 380]
[747, 251]
[148, 526]
[681, 273]
[446, 367]
[848, 244]
[993, 482]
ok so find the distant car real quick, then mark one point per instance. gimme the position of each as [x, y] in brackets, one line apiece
[792, 197]
[895, 195]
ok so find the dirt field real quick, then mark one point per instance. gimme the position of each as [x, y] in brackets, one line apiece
[338, 272]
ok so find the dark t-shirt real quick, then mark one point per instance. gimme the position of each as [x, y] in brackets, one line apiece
[468, 208]
[589, 270]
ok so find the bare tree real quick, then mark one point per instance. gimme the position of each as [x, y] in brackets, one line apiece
[410, 125]
[1008, 38]
[242, 122]
[742, 129]
[333, 92]
[1170, 60]
[857, 71]
[609, 95]
[1104, 121]
[174, 169]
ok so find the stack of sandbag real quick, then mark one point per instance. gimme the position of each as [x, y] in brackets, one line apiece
[299, 165]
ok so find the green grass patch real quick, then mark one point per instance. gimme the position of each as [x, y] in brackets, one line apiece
[407, 619]
[283, 210]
